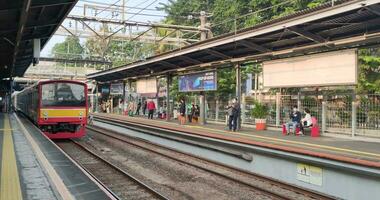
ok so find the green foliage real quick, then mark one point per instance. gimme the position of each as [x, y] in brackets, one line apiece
[259, 111]
[369, 70]
[68, 49]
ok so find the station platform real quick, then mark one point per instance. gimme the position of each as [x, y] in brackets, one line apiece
[33, 167]
[366, 154]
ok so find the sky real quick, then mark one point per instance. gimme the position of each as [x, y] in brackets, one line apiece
[136, 10]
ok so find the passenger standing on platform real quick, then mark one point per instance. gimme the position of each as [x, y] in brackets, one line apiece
[192, 112]
[229, 115]
[138, 108]
[144, 107]
[235, 114]
[182, 112]
[306, 121]
[295, 117]
[188, 112]
[197, 112]
[151, 107]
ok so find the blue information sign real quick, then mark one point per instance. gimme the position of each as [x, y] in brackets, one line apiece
[203, 81]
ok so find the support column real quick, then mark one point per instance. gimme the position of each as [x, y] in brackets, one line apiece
[217, 110]
[353, 117]
[10, 95]
[124, 97]
[278, 110]
[168, 110]
[299, 104]
[202, 100]
[96, 100]
[243, 109]
[238, 90]
[324, 119]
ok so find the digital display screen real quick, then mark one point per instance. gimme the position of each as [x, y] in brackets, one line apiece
[203, 81]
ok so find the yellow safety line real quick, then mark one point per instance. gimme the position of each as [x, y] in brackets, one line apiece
[293, 142]
[10, 182]
[49, 169]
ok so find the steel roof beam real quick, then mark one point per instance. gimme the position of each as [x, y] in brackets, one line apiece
[254, 46]
[217, 54]
[141, 34]
[308, 35]
[190, 60]
[20, 31]
[374, 9]
[164, 63]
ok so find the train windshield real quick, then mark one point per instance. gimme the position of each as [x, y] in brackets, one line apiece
[63, 94]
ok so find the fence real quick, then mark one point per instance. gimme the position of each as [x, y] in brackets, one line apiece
[345, 114]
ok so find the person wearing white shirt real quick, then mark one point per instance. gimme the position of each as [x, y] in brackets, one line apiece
[306, 121]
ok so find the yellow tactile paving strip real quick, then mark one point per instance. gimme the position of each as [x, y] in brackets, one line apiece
[10, 182]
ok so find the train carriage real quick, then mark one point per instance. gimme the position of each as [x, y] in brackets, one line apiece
[57, 107]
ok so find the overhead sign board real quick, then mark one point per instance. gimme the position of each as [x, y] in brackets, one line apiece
[146, 86]
[324, 69]
[203, 81]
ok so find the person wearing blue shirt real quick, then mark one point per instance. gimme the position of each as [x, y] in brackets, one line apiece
[295, 117]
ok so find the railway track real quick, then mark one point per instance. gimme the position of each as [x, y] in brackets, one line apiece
[120, 182]
[269, 187]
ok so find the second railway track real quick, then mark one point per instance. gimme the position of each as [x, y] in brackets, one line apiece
[268, 187]
[121, 183]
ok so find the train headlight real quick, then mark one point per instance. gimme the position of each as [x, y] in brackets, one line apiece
[45, 114]
[81, 113]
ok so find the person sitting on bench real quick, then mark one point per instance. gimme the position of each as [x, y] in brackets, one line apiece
[295, 117]
[306, 121]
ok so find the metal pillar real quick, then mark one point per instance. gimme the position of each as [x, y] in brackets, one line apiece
[324, 109]
[96, 102]
[202, 117]
[278, 110]
[217, 110]
[353, 118]
[238, 90]
[124, 97]
[299, 104]
[243, 109]
[10, 95]
[168, 110]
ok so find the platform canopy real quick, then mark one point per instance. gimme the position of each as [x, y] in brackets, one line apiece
[346, 24]
[21, 21]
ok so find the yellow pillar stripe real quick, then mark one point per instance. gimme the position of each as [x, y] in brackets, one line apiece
[276, 140]
[10, 182]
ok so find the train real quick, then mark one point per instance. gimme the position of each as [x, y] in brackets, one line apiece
[58, 107]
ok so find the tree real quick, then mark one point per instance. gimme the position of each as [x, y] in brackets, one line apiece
[369, 70]
[68, 49]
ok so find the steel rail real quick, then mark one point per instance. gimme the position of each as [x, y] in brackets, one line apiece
[285, 186]
[136, 180]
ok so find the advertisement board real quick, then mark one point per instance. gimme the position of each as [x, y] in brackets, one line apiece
[146, 86]
[105, 89]
[202, 81]
[323, 69]
[116, 88]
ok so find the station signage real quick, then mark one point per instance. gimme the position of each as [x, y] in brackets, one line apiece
[202, 81]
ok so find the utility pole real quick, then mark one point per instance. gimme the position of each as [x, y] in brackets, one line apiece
[202, 97]
[203, 19]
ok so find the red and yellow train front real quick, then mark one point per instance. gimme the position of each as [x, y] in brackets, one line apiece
[63, 109]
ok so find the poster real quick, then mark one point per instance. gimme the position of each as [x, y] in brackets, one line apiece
[203, 81]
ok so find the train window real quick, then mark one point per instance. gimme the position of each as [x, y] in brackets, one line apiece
[63, 94]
